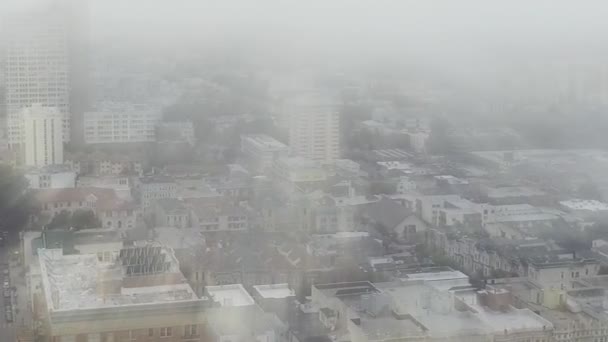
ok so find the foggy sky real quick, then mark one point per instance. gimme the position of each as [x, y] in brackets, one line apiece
[456, 34]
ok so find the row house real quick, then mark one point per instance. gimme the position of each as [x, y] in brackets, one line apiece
[107, 206]
[208, 214]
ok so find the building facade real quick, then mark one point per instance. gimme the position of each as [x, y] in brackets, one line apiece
[262, 150]
[43, 136]
[314, 132]
[51, 178]
[121, 123]
[36, 69]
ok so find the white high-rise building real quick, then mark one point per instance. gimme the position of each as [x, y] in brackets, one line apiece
[121, 123]
[43, 130]
[36, 69]
[314, 130]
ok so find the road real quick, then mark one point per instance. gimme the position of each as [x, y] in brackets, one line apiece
[7, 330]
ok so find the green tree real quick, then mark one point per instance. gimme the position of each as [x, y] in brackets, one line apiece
[84, 218]
[16, 203]
[61, 220]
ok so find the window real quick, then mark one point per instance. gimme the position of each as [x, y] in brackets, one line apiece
[165, 332]
[150, 332]
[190, 330]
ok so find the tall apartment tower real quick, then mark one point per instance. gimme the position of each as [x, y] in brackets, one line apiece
[314, 130]
[36, 69]
[43, 130]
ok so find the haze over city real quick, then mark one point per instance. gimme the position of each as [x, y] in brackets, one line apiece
[303, 171]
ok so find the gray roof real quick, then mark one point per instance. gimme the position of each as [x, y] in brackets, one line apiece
[388, 212]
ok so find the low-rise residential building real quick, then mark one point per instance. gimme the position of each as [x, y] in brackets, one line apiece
[172, 212]
[395, 219]
[542, 260]
[109, 209]
[121, 184]
[155, 188]
[448, 210]
[99, 163]
[223, 218]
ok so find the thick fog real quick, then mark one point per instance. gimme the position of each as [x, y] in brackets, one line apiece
[356, 28]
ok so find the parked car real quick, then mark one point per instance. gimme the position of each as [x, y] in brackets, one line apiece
[5, 272]
[7, 293]
[6, 285]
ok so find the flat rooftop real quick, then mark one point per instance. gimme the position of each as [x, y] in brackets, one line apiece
[265, 142]
[436, 276]
[356, 288]
[514, 191]
[382, 328]
[579, 204]
[230, 295]
[392, 154]
[513, 320]
[275, 291]
[81, 281]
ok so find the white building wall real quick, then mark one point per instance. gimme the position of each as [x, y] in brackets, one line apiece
[121, 123]
[36, 69]
[52, 180]
[43, 136]
[314, 133]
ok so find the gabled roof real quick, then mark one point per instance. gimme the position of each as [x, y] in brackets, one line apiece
[387, 212]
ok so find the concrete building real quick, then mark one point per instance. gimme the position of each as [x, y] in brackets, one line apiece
[418, 139]
[51, 177]
[314, 130]
[36, 70]
[154, 188]
[42, 129]
[121, 123]
[99, 163]
[262, 150]
[578, 315]
[448, 210]
[410, 310]
[88, 299]
[560, 273]
[121, 184]
[296, 172]
[231, 295]
[105, 204]
[590, 210]
[222, 218]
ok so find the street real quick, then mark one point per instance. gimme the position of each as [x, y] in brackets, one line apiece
[7, 330]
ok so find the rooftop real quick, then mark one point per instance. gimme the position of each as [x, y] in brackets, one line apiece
[265, 142]
[49, 169]
[179, 238]
[579, 204]
[274, 291]
[230, 295]
[513, 191]
[73, 282]
[392, 154]
[452, 180]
